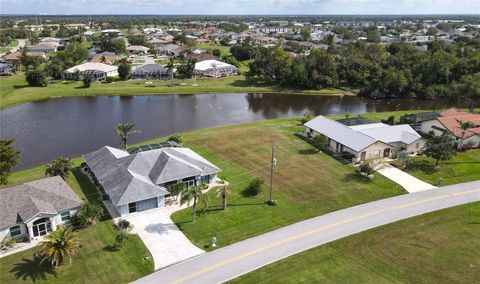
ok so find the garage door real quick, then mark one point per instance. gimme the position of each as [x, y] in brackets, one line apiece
[146, 204]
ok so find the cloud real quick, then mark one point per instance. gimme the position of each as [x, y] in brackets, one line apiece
[199, 7]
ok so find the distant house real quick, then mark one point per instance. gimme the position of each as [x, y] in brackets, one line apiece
[138, 182]
[43, 47]
[215, 68]
[366, 141]
[137, 49]
[107, 58]
[358, 120]
[415, 119]
[7, 69]
[151, 71]
[33, 209]
[449, 122]
[99, 71]
[14, 57]
[170, 49]
[89, 33]
[199, 57]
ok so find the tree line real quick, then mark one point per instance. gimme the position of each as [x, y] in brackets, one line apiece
[397, 70]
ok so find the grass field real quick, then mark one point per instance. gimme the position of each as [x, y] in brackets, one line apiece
[15, 90]
[95, 262]
[440, 247]
[465, 166]
[306, 183]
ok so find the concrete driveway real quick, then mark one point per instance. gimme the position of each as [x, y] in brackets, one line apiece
[166, 243]
[409, 182]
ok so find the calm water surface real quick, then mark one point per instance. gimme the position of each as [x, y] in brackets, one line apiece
[45, 130]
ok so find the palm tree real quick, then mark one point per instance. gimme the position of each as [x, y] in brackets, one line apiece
[223, 192]
[170, 66]
[465, 125]
[189, 193]
[124, 130]
[60, 167]
[59, 245]
[103, 59]
[90, 212]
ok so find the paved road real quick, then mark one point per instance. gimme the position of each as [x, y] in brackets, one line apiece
[240, 258]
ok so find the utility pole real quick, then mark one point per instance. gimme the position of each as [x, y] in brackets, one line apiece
[273, 163]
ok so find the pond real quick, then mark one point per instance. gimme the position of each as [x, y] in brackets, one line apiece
[72, 126]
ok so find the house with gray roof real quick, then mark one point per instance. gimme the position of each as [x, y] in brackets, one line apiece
[137, 182]
[366, 141]
[31, 210]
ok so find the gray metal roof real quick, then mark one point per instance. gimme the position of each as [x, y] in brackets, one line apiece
[22, 202]
[389, 133]
[133, 177]
[341, 133]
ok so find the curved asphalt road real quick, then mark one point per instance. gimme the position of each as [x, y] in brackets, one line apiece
[242, 257]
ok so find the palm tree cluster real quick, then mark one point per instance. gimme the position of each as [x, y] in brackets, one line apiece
[60, 245]
[60, 167]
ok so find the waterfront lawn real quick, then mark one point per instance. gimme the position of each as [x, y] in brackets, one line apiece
[15, 90]
[95, 262]
[463, 167]
[306, 183]
[439, 247]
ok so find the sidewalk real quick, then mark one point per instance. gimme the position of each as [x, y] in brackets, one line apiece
[407, 181]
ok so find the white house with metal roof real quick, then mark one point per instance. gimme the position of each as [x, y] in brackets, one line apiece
[366, 141]
[31, 210]
[137, 182]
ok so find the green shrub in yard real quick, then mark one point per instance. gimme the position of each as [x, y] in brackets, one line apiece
[36, 78]
[109, 79]
[205, 185]
[120, 239]
[366, 168]
[254, 188]
[124, 225]
[177, 138]
[320, 141]
[87, 80]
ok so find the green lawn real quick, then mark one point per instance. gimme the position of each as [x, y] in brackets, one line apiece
[95, 262]
[306, 183]
[224, 50]
[465, 166]
[440, 247]
[15, 90]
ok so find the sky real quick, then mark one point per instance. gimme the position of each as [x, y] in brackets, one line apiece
[240, 7]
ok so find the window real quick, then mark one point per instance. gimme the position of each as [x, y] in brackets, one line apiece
[65, 216]
[15, 231]
[132, 207]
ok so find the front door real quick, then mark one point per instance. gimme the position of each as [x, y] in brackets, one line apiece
[363, 156]
[41, 227]
[386, 153]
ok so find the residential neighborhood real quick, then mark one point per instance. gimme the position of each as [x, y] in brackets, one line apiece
[239, 142]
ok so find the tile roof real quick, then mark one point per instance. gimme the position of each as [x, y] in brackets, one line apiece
[132, 177]
[22, 202]
[451, 119]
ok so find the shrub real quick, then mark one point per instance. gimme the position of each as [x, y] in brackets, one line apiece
[320, 141]
[177, 138]
[120, 239]
[205, 185]
[255, 187]
[347, 155]
[109, 79]
[36, 78]
[87, 80]
[9, 241]
[366, 168]
[124, 225]
[124, 70]
[216, 52]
